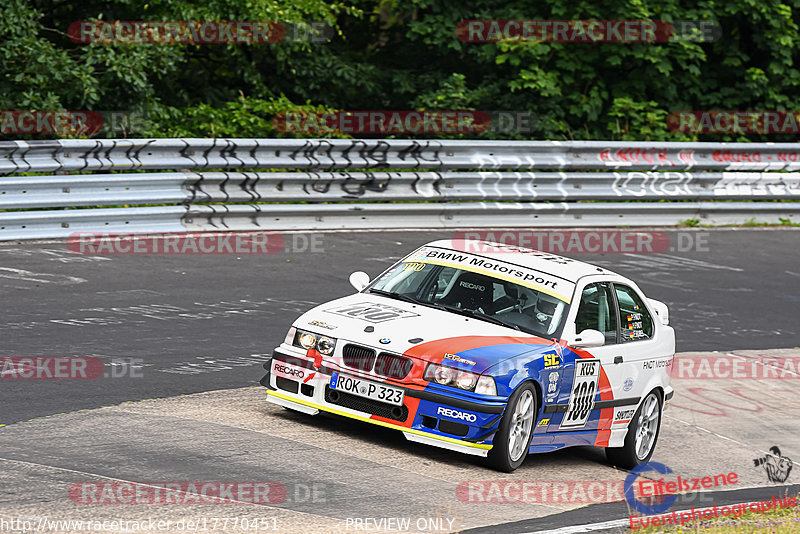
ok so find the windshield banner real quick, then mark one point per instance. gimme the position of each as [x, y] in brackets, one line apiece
[546, 283]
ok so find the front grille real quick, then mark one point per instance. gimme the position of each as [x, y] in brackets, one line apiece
[358, 357]
[451, 427]
[392, 365]
[360, 404]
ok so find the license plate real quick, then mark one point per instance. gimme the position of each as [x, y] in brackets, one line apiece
[367, 389]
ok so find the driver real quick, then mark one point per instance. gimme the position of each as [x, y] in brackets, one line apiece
[544, 309]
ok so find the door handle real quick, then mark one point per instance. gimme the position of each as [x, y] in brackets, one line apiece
[617, 359]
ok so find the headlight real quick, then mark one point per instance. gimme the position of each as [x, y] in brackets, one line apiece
[326, 345]
[466, 380]
[450, 376]
[486, 386]
[309, 340]
[444, 375]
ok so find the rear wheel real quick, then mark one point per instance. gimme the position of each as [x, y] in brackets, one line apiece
[640, 442]
[513, 438]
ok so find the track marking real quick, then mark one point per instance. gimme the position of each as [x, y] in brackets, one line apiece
[698, 427]
[591, 527]
[679, 261]
[43, 278]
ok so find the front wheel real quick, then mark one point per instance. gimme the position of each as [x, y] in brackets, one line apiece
[513, 437]
[640, 442]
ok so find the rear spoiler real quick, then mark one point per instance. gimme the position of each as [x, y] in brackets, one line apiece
[661, 310]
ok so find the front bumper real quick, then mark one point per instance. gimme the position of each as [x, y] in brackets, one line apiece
[427, 416]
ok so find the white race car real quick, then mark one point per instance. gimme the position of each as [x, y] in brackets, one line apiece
[487, 349]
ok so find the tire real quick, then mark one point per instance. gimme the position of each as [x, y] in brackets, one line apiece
[640, 442]
[513, 437]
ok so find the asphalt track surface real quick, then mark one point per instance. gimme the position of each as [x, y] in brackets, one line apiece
[175, 325]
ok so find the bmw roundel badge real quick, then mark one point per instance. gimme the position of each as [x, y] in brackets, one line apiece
[385, 340]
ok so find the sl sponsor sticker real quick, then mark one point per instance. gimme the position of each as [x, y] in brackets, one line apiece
[551, 360]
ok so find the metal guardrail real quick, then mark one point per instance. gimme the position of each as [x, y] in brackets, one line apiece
[256, 184]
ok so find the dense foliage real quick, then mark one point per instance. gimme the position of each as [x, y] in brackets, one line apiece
[393, 55]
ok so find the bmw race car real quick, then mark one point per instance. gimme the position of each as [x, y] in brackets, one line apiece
[487, 349]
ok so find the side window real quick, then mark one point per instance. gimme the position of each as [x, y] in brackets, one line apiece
[634, 319]
[596, 311]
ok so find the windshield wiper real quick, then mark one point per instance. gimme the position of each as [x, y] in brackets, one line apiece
[398, 296]
[477, 315]
[495, 320]
[461, 311]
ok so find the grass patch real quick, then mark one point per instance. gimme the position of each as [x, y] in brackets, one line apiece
[749, 223]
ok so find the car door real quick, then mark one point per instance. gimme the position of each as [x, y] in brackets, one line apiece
[644, 353]
[598, 373]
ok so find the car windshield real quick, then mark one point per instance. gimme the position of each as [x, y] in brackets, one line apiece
[474, 294]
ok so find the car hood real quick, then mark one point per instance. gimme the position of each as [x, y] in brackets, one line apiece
[419, 332]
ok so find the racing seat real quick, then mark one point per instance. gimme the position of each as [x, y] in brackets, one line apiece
[471, 291]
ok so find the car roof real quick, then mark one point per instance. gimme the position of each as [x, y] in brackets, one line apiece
[561, 266]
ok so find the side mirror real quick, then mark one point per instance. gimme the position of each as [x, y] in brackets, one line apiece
[359, 280]
[661, 310]
[587, 339]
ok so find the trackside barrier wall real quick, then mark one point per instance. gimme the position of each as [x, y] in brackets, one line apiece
[317, 184]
